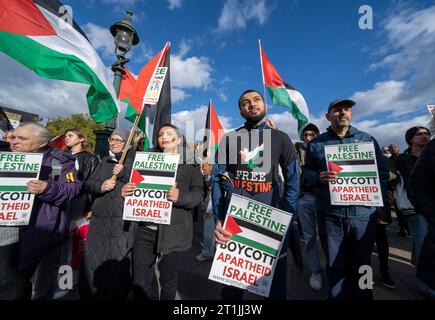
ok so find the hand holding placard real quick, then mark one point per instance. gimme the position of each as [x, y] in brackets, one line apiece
[173, 193]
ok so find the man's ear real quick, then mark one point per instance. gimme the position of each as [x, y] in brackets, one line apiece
[43, 145]
[327, 116]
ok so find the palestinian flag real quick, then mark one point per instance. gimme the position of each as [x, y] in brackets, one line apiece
[38, 35]
[153, 179]
[354, 168]
[5, 125]
[253, 235]
[157, 112]
[128, 83]
[58, 142]
[282, 93]
[213, 132]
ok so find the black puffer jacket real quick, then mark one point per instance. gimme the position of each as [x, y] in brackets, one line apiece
[107, 260]
[422, 195]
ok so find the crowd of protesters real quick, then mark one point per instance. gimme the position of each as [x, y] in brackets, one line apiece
[121, 257]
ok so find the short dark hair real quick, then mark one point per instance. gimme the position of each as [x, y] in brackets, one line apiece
[248, 91]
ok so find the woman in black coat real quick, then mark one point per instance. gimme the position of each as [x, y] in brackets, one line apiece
[422, 195]
[106, 270]
[158, 244]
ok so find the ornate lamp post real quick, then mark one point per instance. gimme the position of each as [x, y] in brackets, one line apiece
[125, 37]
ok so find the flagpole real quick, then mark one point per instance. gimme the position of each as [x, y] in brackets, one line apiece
[262, 73]
[127, 144]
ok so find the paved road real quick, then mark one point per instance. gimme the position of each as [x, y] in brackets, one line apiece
[193, 283]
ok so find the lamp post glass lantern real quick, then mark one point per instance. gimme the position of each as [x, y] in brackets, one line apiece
[125, 36]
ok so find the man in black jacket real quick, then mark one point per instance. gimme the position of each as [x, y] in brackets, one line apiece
[422, 195]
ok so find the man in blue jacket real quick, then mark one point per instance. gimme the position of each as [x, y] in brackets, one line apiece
[261, 163]
[349, 231]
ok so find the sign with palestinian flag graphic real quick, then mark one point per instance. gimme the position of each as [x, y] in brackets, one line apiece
[249, 258]
[16, 169]
[153, 174]
[357, 180]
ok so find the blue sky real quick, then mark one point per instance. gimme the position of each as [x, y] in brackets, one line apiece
[317, 46]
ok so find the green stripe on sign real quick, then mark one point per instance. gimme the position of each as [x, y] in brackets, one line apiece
[153, 186]
[357, 174]
[13, 188]
[255, 245]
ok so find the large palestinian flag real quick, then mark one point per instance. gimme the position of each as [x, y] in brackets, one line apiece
[38, 35]
[213, 131]
[153, 113]
[282, 93]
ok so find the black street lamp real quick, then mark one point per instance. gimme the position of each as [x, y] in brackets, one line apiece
[125, 36]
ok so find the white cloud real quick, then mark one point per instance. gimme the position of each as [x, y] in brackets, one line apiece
[237, 13]
[194, 120]
[143, 54]
[184, 47]
[409, 58]
[174, 4]
[223, 96]
[101, 39]
[192, 72]
[178, 95]
[188, 72]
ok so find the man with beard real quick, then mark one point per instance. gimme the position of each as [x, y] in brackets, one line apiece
[349, 230]
[262, 165]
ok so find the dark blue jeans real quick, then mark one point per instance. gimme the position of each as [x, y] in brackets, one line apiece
[348, 243]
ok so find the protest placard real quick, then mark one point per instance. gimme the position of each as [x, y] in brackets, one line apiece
[155, 86]
[357, 180]
[249, 258]
[16, 169]
[153, 174]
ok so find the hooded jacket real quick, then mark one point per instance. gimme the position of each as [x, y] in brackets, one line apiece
[315, 163]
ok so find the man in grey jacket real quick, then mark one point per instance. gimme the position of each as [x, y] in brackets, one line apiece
[348, 231]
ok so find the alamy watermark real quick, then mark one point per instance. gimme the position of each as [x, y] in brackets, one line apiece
[366, 20]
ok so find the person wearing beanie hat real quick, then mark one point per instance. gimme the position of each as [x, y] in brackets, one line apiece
[307, 211]
[120, 133]
[416, 137]
[107, 261]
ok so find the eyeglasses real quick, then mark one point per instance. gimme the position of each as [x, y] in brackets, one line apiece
[423, 133]
[117, 141]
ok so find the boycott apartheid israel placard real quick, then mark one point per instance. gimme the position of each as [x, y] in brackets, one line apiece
[249, 258]
[16, 169]
[357, 180]
[153, 174]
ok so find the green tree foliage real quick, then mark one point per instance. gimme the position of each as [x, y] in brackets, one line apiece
[79, 121]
